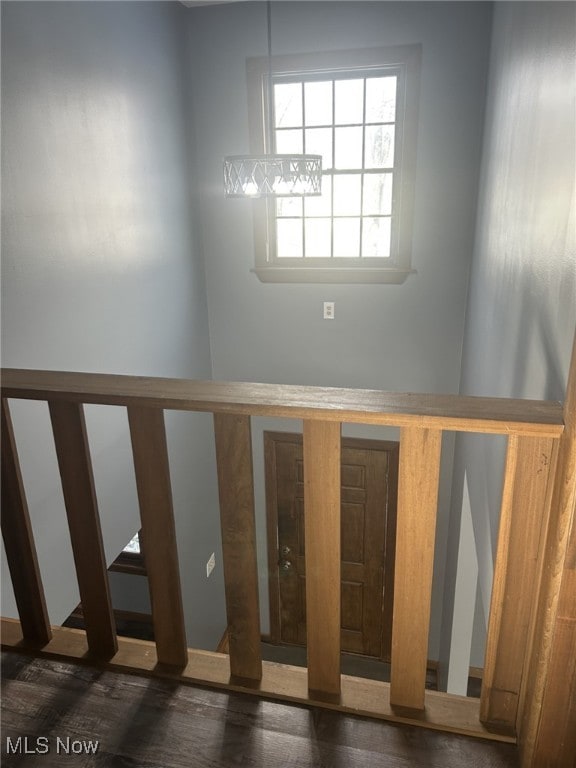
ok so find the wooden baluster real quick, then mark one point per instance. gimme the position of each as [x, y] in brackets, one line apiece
[322, 546]
[236, 490]
[415, 533]
[19, 542]
[151, 466]
[524, 512]
[73, 455]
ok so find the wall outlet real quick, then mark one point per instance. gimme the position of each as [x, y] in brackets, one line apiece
[210, 564]
[328, 310]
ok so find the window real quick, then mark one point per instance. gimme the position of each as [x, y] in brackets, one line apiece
[133, 546]
[358, 109]
[131, 559]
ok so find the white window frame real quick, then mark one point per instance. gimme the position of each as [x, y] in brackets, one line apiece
[402, 61]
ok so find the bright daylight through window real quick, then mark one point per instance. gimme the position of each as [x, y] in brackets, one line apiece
[358, 110]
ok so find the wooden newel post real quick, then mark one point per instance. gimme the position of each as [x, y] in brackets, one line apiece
[523, 519]
[546, 732]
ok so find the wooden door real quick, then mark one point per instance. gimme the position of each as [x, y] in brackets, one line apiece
[368, 516]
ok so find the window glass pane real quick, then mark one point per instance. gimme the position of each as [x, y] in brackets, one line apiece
[379, 149]
[376, 237]
[319, 142]
[348, 149]
[347, 195]
[322, 205]
[133, 546]
[318, 103]
[381, 99]
[289, 142]
[347, 238]
[289, 206]
[377, 198]
[346, 109]
[317, 233]
[349, 97]
[289, 237]
[288, 104]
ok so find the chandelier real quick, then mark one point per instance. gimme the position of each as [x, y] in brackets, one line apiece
[271, 175]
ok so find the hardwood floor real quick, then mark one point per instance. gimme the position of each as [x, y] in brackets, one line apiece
[144, 723]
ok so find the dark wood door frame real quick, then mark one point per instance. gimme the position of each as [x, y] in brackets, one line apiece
[272, 528]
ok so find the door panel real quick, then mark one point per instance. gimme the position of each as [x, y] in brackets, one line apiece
[368, 504]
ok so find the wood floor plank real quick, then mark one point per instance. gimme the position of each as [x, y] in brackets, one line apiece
[144, 723]
[370, 698]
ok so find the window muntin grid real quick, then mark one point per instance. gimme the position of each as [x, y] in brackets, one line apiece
[351, 121]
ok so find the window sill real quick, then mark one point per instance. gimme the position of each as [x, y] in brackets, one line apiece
[131, 563]
[279, 274]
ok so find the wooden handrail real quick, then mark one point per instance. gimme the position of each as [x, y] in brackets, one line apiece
[536, 432]
[365, 406]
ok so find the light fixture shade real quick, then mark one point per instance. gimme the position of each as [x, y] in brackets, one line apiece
[277, 175]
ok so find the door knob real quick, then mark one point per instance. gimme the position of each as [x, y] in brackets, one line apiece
[285, 550]
[286, 565]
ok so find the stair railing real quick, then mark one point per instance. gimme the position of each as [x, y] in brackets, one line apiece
[535, 493]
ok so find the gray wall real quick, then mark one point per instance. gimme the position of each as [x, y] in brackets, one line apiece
[405, 338]
[392, 337]
[110, 109]
[101, 264]
[522, 306]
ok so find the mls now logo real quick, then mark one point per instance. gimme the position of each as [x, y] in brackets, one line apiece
[23, 745]
[70, 746]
